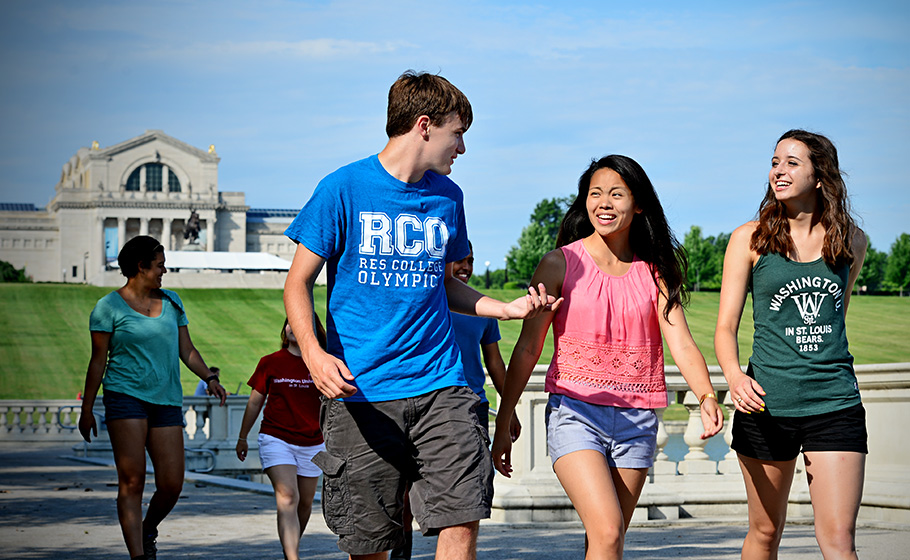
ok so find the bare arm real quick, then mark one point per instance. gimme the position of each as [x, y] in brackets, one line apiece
[250, 414]
[193, 360]
[550, 273]
[97, 363]
[328, 372]
[738, 263]
[492, 359]
[468, 301]
[691, 364]
[860, 245]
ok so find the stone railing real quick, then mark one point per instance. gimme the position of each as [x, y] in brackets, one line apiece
[209, 437]
[703, 484]
[691, 477]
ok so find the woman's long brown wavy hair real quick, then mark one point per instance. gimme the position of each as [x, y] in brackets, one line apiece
[773, 232]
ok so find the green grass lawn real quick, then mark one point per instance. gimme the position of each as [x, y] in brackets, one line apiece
[45, 344]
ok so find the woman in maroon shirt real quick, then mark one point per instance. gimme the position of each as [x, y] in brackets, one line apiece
[289, 434]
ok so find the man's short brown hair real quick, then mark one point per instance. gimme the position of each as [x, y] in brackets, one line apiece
[418, 93]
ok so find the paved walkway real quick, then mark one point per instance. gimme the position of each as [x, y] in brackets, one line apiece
[52, 506]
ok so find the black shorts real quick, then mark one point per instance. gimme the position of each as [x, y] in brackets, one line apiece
[775, 438]
[120, 406]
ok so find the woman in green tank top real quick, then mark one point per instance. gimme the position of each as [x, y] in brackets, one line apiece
[799, 260]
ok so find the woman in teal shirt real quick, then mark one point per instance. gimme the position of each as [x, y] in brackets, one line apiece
[139, 336]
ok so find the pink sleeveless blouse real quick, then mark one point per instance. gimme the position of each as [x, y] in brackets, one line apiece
[608, 347]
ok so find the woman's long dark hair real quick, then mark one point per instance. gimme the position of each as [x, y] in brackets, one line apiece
[773, 232]
[650, 236]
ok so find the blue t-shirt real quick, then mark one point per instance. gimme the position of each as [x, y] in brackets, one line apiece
[386, 245]
[470, 333]
[144, 353]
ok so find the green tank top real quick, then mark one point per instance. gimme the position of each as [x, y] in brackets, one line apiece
[799, 351]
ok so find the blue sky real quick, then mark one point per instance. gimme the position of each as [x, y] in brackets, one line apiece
[697, 92]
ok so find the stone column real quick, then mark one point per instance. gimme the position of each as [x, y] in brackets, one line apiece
[533, 493]
[121, 233]
[143, 226]
[166, 233]
[210, 234]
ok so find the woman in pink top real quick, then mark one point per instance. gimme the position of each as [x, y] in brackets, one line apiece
[621, 272]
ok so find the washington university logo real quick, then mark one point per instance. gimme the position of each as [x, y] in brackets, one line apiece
[809, 304]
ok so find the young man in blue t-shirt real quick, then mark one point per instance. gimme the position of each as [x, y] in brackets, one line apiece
[389, 228]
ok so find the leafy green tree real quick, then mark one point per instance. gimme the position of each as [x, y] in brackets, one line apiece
[897, 269]
[533, 244]
[9, 273]
[872, 274]
[537, 239]
[706, 259]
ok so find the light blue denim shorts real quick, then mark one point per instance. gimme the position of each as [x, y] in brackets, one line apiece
[627, 437]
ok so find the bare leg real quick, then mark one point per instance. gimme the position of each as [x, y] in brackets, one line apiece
[629, 484]
[836, 488]
[287, 499]
[589, 483]
[128, 443]
[767, 489]
[458, 542]
[165, 446]
[306, 489]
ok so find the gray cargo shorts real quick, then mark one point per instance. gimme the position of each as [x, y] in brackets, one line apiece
[374, 450]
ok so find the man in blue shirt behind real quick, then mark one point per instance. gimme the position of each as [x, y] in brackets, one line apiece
[389, 228]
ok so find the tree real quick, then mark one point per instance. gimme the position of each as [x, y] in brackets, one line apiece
[897, 269]
[537, 239]
[9, 273]
[706, 259]
[873, 272]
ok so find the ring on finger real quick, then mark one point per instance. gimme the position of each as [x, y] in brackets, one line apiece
[739, 400]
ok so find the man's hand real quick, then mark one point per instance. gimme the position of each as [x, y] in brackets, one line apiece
[533, 304]
[330, 374]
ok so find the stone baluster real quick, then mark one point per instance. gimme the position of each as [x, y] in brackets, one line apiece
[41, 413]
[729, 464]
[663, 466]
[200, 421]
[696, 460]
[17, 420]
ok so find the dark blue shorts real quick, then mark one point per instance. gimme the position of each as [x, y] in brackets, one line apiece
[776, 438]
[120, 406]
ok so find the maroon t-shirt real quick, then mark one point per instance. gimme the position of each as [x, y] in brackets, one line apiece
[292, 408]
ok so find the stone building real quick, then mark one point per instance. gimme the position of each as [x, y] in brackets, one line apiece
[155, 185]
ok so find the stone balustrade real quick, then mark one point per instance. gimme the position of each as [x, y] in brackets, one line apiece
[210, 435]
[697, 484]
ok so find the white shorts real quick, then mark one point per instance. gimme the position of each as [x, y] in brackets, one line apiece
[274, 451]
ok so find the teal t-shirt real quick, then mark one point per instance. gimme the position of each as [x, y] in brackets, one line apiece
[799, 353]
[144, 353]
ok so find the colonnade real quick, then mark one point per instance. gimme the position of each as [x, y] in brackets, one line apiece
[162, 228]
